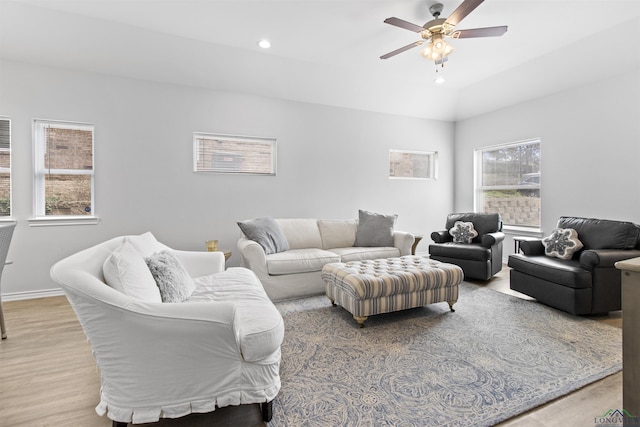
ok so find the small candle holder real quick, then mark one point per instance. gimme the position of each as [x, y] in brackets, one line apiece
[212, 245]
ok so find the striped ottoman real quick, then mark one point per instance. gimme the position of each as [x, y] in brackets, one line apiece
[369, 287]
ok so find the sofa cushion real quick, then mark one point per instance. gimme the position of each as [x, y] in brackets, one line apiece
[375, 229]
[299, 261]
[564, 272]
[266, 232]
[126, 271]
[172, 278]
[360, 253]
[258, 322]
[472, 252]
[602, 233]
[463, 232]
[302, 233]
[337, 233]
[562, 243]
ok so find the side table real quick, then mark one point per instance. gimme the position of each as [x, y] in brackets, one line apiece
[227, 254]
[518, 239]
[417, 238]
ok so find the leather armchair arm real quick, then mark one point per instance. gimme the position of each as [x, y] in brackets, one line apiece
[532, 247]
[441, 236]
[603, 258]
[491, 239]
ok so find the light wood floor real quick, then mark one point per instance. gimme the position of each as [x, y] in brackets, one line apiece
[48, 377]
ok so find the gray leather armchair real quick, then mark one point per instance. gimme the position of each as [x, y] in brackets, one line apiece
[588, 283]
[482, 258]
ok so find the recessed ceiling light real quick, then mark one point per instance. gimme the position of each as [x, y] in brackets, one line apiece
[264, 43]
[439, 80]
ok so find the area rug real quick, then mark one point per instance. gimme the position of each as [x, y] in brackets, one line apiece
[493, 358]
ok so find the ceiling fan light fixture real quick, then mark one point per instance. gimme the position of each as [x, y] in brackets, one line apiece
[437, 49]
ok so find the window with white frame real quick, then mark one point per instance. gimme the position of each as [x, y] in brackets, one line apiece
[5, 167]
[64, 172]
[507, 181]
[413, 164]
[234, 154]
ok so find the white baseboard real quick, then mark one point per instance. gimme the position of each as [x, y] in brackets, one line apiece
[44, 293]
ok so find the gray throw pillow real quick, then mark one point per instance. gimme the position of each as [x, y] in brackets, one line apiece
[375, 230]
[172, 278]
[267, 233]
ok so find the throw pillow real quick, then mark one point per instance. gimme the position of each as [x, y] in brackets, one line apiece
[267, 233]
[146, 244]
[172, 279]
[375, 230]
[562, 243]
[463, 232]
[126, 271]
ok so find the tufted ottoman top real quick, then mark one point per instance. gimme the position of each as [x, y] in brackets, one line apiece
[369, 279]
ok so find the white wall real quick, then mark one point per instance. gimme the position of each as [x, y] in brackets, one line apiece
[331, 162]
[590, 141]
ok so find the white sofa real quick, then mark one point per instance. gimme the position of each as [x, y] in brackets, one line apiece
[296, 273]
[220, 347]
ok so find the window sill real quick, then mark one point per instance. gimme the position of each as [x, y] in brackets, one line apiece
[62, 220]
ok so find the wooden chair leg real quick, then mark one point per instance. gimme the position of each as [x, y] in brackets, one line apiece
[267, 411]
[3, 329]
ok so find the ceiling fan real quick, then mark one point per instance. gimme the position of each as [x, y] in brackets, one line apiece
[435, 31]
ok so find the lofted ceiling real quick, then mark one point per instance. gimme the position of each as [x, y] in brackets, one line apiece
[327, 51]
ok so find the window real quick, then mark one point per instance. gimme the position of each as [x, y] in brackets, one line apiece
[234, 154]
[413, 164]
[508, 182]
[5, 167]
[63, 169]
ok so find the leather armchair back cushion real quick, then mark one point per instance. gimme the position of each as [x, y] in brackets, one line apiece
[603, 233]
[482, 223]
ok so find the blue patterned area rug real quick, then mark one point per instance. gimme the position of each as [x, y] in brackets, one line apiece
[495, 357]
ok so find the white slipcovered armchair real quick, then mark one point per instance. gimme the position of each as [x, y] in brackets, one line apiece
[220, 347]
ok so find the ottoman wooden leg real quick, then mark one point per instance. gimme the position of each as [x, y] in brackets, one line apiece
[451, 305]
[360, 320]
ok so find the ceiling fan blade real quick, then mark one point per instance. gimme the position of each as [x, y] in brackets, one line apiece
[481, 32]
[404, 24]
[462, 11]
[402, 49]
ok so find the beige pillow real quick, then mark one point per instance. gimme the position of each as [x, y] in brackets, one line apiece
[337, 233]
[146, 244]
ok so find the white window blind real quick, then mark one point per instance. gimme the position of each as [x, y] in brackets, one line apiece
[5, 167]
[413, 164]
[234, 154]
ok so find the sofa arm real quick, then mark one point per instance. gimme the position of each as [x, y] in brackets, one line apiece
[441, 236]
[201, 263]
[403, 241]
[605, 258]
[252, 256]
[532, 247]
[490, 239]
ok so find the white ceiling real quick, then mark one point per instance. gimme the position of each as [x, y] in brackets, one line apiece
[327, 51]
